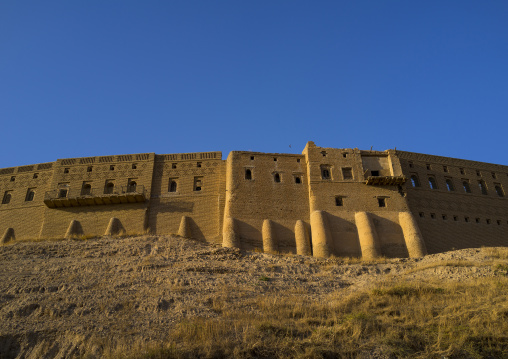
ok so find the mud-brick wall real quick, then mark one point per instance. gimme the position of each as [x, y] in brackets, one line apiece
[73, 173]
[448, 216]
[341, 198]
[275, 190]
[202, 208]
[23, 213]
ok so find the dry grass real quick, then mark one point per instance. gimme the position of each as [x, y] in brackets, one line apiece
[395, 319]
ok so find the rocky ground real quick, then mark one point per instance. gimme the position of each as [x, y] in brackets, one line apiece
[64, 298]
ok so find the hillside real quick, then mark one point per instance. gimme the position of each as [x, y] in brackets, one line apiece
[162, 296]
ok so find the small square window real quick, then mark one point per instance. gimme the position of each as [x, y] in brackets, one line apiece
[338, 201]
[433, 215]
[466, 219]
[298, 160]
[462, 171]
[112, 167]
[134, 166]
[478, 173]
[344, 155]
[324, 153]
[410, 164]
[381, 202]
[298, 179]
[252, 158]
[198, 164]
[444, 216]
[173, 166]
[445, 168]
[36, 175]
[428, 166]
[498, 222]
[422, 215]
[66, 170]
[488, 221]
[275, 158]
[477, 220]
[89, 169]
[455, 218]
[374, 173]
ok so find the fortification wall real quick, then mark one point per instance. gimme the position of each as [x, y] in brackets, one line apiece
[264, 187]
[189, 186]
[452, 210]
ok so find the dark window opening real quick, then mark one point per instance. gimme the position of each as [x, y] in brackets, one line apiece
[198, 164]
[248, 174]
[298, 160]
[298, 179]
[374, 173]
[198, 183]
[131, 187]
[62, 193]
[444, 216]
[89, 169]
[410, 164]
[13, 178]
[415, 181]
[422, 215]
[112, 167]
[134, 166]
[30, 195]
[338, 201]
[324, 153]
[276, 177]
[498, 222]
[482, 186]
[66, 170]
[477, 220]
[86, 189]
[36, 175]
[110, 186]
[445, 168]
[7, 197]
[478, 173]
[461, 171]
[433, 215]
[449, 185]
[347, 173]
[275, 158]
[494, 175]
[466, 186]
[252, 158]
[172, 185]
[428, 167]
[325, 172]
[173, 166]
[344, 155]
[455, 218]
[466, 219]
[381, 202]
[499, 191]
[432, 183]
[488, 221]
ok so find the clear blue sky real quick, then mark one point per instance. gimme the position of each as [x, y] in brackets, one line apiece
[86, 78]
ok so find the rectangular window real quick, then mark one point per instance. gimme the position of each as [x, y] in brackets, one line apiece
[347, 173]
[381, 202]
[198, 183]
[422, 215]
[339, 201]
[173, 184]
[198, 164]
[7, 197]
[445, 168]
[325, 172]
[462, 171]
[433, 215]
[374, 173]
[483, 188]
[30, 193]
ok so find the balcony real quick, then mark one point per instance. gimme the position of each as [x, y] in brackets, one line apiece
[385, 180]
[59, 198]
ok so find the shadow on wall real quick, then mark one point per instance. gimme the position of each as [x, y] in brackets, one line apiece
[390, 236]
[345, 241]
[249, 237]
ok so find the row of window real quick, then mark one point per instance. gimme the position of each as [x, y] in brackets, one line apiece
[30, 195]
[446, 169]
[415, 182]
[90, 168]
[277, 178]
[381, 201]
[326, 172]
[456, 218]
[173, 184]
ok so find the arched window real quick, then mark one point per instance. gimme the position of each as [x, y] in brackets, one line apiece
[325, 172]
[483, 188]
[132, 186]
[110, 186]
[467, 189]
[172, 185]
[415, 181]
[248, 174]
[432, 183]
[7, 197]
[298, 179]
[449, 185]
[86, 190]
[30, 195]
[276, 177]
[499, 191]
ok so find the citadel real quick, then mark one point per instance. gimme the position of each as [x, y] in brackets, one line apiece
[326, 201]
